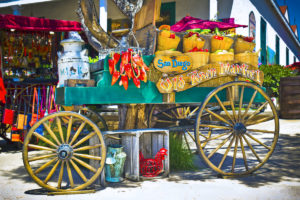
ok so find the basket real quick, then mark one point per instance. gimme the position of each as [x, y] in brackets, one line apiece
[224, 57]
[224, 44]
[247, 58]
[199, 58]
[168, 53]
[189, 44]
[167, 43]
[241, 46]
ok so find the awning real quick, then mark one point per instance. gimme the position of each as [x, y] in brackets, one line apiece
[37, 24]
[189, 22]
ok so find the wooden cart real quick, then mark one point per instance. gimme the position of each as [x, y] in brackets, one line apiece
[233, 123]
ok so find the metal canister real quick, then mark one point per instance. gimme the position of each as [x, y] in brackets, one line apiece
[73, 62]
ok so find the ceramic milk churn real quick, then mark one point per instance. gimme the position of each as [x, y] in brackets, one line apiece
[114, 164]
[73, 62]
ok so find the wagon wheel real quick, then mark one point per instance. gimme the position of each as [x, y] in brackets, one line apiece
[65, 159]
[95, 117]
[241, 128]
[176, 117]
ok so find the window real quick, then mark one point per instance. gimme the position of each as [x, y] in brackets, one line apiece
[277, 42]
[287, 54]
[263, 43]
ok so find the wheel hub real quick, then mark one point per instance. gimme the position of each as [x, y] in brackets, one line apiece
[65, 152]
[239, 129]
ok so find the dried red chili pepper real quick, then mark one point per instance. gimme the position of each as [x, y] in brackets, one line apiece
[115, 77]
[124, 80]
[139, 61]
[111, 65]
[136, 82]
[128, 70]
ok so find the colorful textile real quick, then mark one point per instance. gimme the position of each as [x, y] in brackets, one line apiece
[37, 24]
[189, 22]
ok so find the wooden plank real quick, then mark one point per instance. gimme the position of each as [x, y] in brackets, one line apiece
[135, 160]
[79, 83]
[167, 160]
[127, 143]
[173, 64]
[149, 11]
[146, 38]
[210, 72]
[155, 147]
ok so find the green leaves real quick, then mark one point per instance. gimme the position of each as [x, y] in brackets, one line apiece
[272, 75]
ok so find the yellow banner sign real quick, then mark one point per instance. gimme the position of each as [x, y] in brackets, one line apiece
[190, 79]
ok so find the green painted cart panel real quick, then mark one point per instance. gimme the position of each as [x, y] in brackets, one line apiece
[148, 93]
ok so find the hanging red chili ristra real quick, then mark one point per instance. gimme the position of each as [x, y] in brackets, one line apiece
[136, 75]
[115, 77]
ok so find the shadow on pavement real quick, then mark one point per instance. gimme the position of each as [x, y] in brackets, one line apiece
[283, 165]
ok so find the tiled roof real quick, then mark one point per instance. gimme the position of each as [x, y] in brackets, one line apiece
[283, 9]
[294, 28]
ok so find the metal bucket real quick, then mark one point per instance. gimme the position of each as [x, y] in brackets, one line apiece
[114, 164]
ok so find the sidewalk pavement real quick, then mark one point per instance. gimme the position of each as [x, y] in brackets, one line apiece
[278, 179]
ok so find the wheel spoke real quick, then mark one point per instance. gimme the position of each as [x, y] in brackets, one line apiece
[257, 111]
[260, 131]
[70, 174]
[166, 114]
[175, 115]
[249, 105]
[193, 138]
[164, 121]
[186, 141]
[87, 156]
[241, 104]
[252, 149]
[226, 152]
[232, 103]
[77, 133]
[244, 153]
[44, 166]
[234, 153]
[87, 147]
[256, 140]
[51, 172]
[223, 107]
[218, 147]
[84, 139]
[51, 133]
[44, 139]
[58, 123]
[208, 136]
[41, 157]
[215, 126]
[61, 173]
[33, 146]
[216, 137]
[187, 110]
[69, 129]
[218, 116]
[78, 171]
[191, 113]
[85, 164]
[265, 119]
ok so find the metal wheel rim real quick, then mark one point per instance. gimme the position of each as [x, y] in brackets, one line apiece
[201, 111]
[80, 186]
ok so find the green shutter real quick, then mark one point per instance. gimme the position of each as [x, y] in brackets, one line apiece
[168, 13]
[277, 50]
[287, 56]
[263, 44]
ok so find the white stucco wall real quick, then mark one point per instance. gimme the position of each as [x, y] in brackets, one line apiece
[240, 10]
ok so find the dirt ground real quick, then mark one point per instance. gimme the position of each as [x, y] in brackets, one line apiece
[278, 179]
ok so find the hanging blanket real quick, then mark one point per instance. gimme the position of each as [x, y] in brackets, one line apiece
[189, 22]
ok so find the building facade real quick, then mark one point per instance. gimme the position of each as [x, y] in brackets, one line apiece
[267, 22]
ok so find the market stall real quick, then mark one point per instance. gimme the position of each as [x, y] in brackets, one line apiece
[28, 53]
